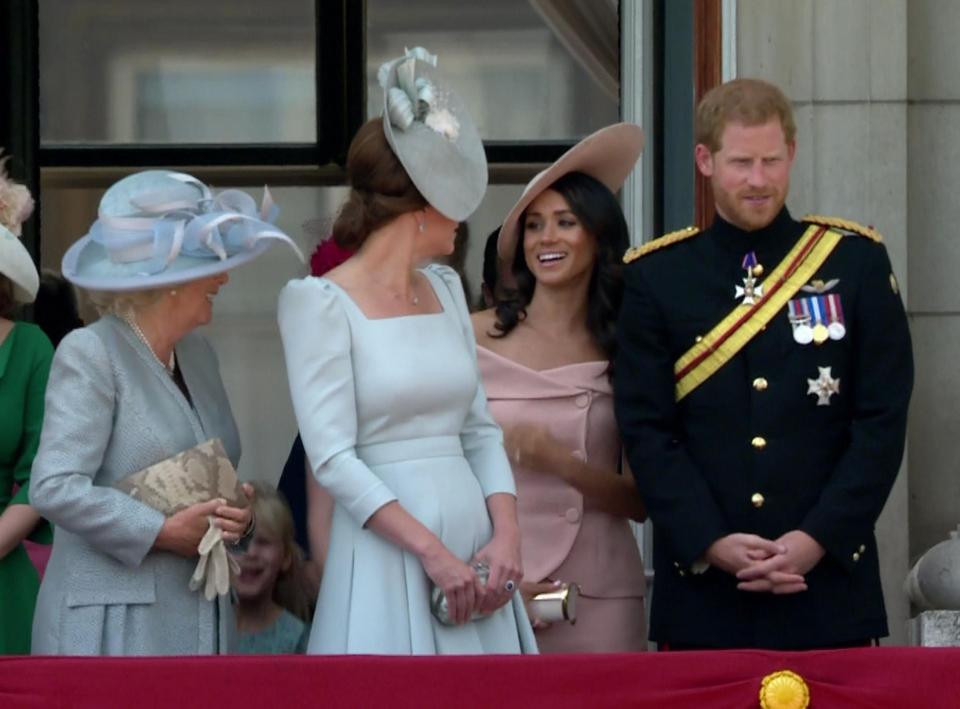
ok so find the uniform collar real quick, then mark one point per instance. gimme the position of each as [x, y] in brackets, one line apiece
[782, 229]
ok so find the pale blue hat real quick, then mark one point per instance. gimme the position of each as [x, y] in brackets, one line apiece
[431, 133]
[159, 228]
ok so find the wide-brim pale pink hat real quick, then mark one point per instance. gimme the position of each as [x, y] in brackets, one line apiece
[607, 156]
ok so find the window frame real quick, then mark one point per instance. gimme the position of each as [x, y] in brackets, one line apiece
[338, 53]
[340, 81]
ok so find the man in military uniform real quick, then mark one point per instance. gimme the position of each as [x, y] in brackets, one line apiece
[761, 387]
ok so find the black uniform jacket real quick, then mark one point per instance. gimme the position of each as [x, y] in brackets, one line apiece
[749, 450]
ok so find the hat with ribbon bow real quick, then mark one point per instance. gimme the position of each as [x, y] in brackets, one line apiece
[159, 228]
[431, 133]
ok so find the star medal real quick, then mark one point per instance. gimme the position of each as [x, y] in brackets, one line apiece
[823, 387]
[799, 313]
[750, 291]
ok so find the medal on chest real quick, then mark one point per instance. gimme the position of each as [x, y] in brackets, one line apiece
[750, 291]
[824, 386]
[816, 318]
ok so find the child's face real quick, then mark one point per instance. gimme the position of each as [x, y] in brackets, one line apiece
[260, 566]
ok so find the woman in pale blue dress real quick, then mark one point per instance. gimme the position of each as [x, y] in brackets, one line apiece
[383, 374]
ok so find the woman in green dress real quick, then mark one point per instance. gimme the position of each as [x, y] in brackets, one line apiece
[25, 355]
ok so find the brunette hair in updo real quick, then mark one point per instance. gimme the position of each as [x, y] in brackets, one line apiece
[380, 190]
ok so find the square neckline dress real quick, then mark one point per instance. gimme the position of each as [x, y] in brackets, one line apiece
[393, 409]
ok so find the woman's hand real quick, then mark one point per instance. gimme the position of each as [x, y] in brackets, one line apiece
[533, 446]
[181, 533]
[235, 521]
[529, 589]
[16, 524]
[502, 556]
[456, 579]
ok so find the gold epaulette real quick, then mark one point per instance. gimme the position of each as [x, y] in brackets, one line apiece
[845, 225]
[666, 240]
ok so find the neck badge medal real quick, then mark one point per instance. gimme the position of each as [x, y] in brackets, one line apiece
[750, 291]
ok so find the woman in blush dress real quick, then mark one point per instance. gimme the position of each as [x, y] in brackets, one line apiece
[545, 354]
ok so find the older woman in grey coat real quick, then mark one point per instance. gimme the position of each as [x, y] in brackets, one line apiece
[133, 389]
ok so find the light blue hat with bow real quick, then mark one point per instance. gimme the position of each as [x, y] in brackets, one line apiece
[159, 228]
[431, 133]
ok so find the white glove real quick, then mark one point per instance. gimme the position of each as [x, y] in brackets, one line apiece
[214, 566]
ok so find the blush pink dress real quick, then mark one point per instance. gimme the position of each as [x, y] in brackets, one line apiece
[562, 537]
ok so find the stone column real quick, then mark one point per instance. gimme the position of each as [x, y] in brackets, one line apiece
[844, 65]
[933, 123]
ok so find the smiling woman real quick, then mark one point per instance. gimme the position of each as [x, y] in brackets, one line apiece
[544, 354]
[119, 577]
[556, 246]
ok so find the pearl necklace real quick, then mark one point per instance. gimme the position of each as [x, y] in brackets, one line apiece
[169, 366]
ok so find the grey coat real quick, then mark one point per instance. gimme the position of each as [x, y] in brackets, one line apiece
[111, 410]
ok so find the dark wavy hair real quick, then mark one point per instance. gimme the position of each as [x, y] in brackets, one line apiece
[600, 215]
[380, 191]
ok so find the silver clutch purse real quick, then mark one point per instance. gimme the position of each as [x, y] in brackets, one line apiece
[198, 474]
[438, 599]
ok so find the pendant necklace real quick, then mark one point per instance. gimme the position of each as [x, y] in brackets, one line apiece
[414, 298]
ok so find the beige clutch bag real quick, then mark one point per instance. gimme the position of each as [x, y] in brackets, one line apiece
[198, 474]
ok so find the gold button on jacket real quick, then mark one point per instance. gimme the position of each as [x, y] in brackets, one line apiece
[759, 442]
[757, 500]
[760, 384]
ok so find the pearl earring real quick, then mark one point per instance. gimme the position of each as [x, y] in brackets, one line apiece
[421, 227]
[173, 291]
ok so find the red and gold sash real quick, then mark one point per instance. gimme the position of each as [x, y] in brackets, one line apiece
[731, 335]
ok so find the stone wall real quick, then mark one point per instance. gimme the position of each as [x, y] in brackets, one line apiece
[844, 65]
[933, 181]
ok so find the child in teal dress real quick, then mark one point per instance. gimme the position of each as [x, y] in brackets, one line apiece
[273, 610]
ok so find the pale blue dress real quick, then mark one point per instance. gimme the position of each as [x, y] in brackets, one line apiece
[393, 409]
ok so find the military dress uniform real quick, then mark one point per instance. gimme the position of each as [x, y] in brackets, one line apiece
[803, 428]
